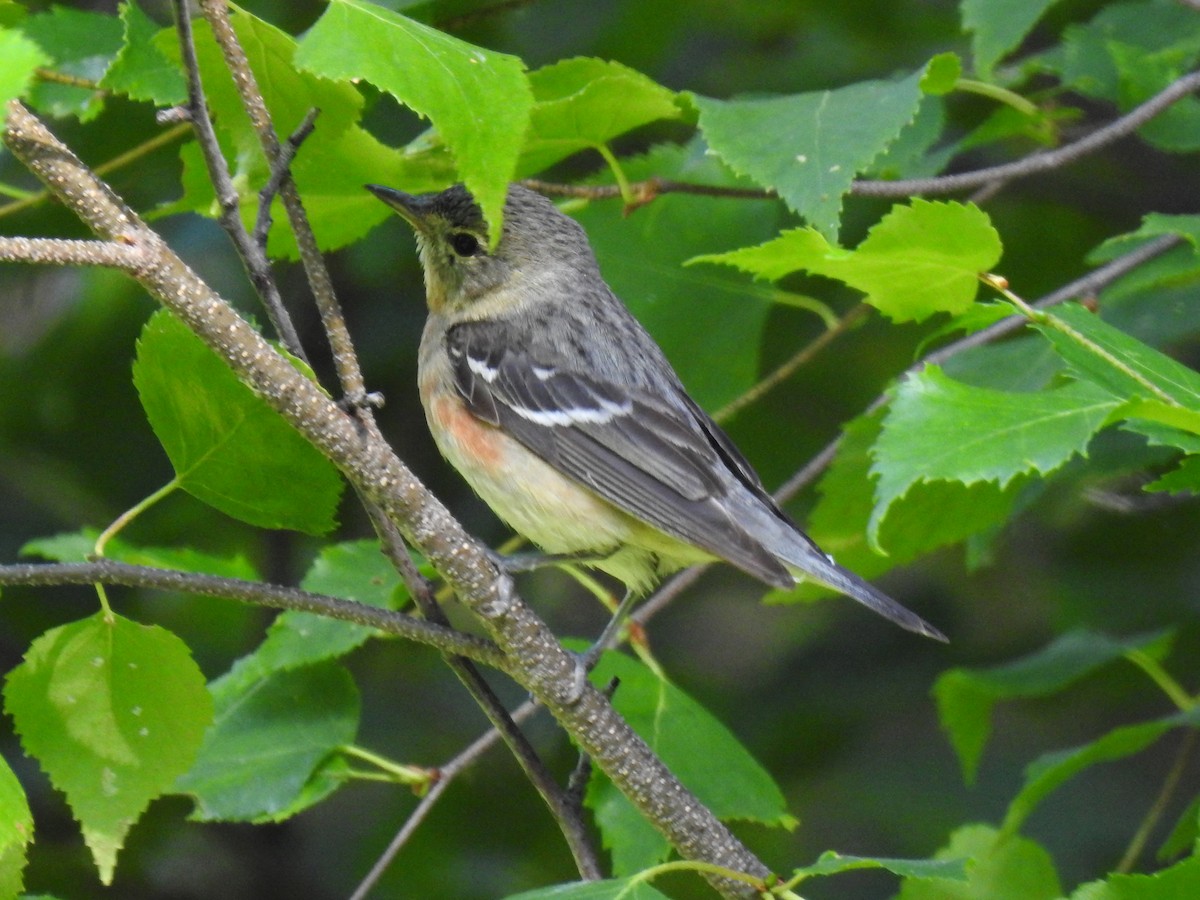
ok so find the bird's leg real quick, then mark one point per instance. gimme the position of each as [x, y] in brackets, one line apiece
[587, 660]
[608, 636]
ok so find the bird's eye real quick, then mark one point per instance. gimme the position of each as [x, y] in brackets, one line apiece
[464, 243]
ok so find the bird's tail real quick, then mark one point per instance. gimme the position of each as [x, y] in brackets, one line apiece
[805, 559]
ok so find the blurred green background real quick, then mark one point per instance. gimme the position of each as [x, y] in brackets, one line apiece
[834, 702]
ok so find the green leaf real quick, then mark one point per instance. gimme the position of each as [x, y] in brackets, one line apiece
[16, 832]
[965, 697]
[1180, 881]
[726, 778]
[1051, 770]
[355, 570]
[228, 447]
[832, 863]
[584, 103]
[269, 739]
[921, 150]
[1184, 835]
[1129, 52]
[141, 70]
[478, 100]
[641, 257]
[998, 26]
[19, 56]
[114, 712]
[1153, 225]
[941, 74]
[930, 515]
[916, 261]
[938, 429]
[1123, 365]
[609, 889]
[1183, 479]
[81, 44]
[1006, 867]
[808, 147]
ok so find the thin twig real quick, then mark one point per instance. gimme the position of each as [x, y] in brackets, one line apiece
[941, 184]
[1138, 843]
[254, 259]
[280, 169]
[1037, 162]
[56, 77]
[217, 13]
[564, 812]
[109, 571]
[446, 774]
[790, 365]
[344, 357]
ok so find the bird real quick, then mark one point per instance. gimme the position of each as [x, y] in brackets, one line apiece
[561, 411]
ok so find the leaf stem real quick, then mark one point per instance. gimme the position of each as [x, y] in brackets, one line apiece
[998, 93]
[685, 865]
[414, 775]
[132, 513]
[1172, 688]
[1049, 320]
[623, 185]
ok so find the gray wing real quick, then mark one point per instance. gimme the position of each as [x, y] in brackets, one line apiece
[667, 464]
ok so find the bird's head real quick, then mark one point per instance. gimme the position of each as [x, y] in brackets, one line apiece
[538, 246]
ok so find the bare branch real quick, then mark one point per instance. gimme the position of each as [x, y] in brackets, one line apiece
[280, 169]
[344, 358]
[61, 252]
[565, 813]
[446, 774]
[254, 259]
[107, 571]
[941, 184]
[1037, 162]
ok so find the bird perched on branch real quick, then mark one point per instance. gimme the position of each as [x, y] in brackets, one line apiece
[562, 412]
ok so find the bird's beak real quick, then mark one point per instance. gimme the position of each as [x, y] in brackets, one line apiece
[414, 208]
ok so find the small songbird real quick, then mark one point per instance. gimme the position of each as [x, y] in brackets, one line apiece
[562, 412]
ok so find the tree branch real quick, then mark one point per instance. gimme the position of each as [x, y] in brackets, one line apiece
[942, 184]
[1037, 162]
[446, 774]
[253, 257]
[344, 358]
[65, 252]
[107, 571]
[565, 814]
[537, 661]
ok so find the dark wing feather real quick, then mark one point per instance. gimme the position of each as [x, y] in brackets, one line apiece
[654, 460]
